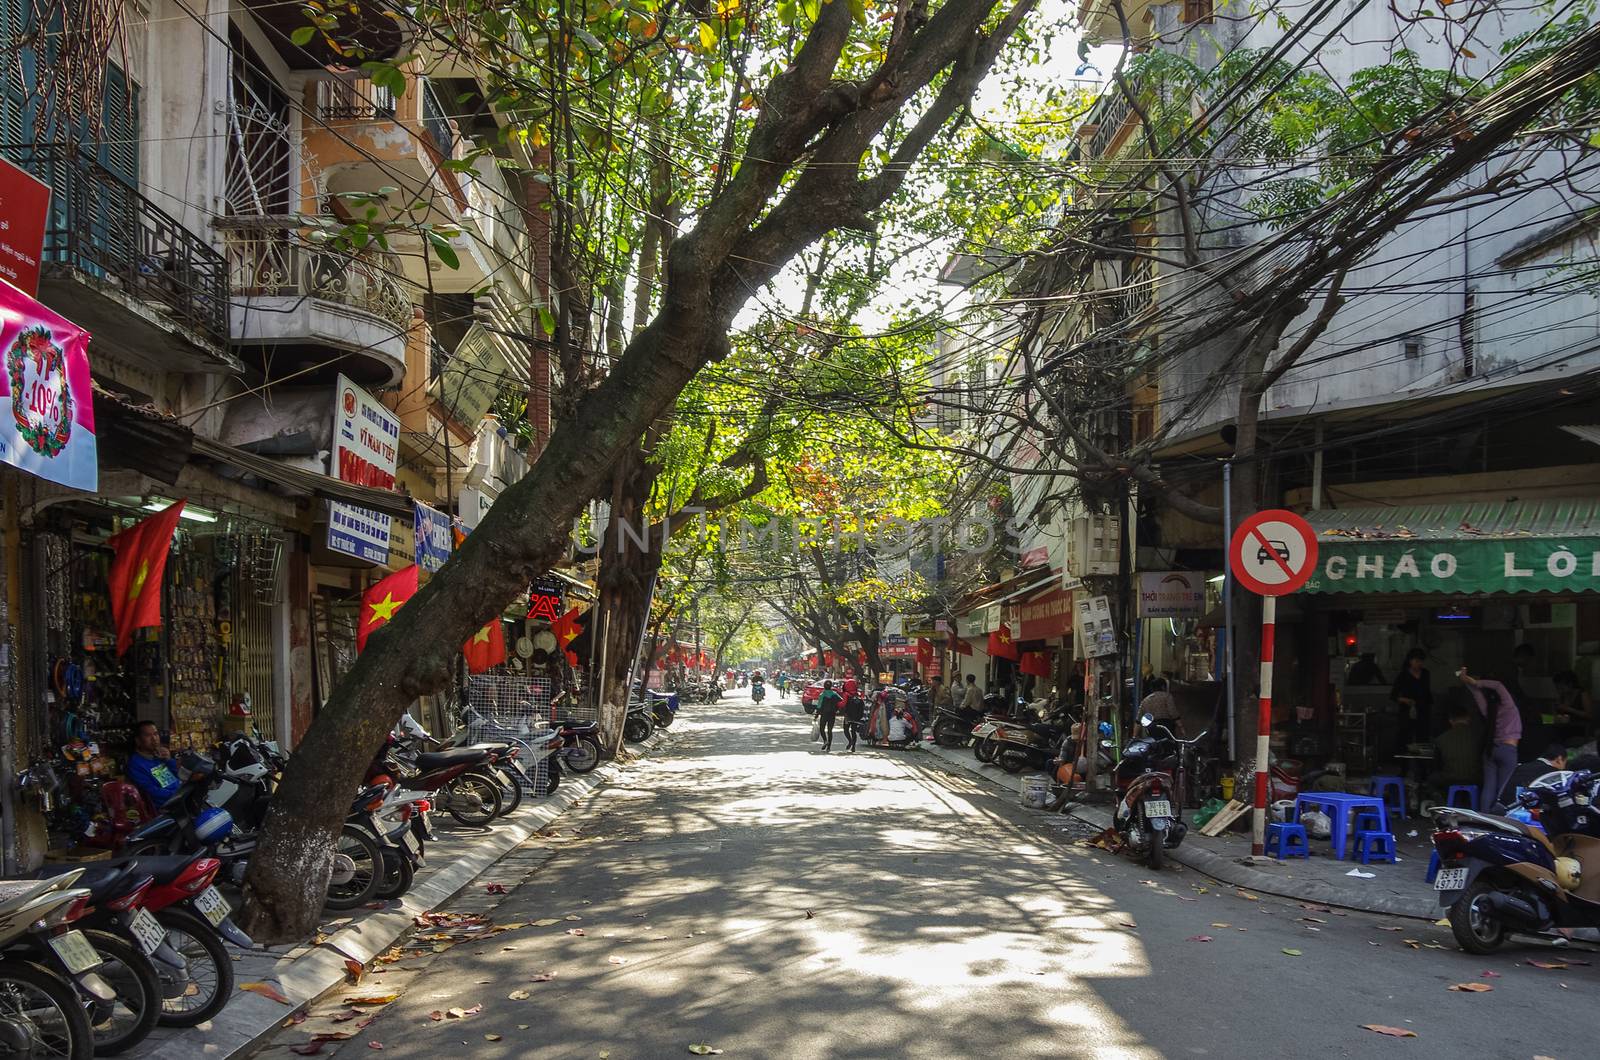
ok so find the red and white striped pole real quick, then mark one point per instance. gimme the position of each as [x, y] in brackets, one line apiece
[1269, 618]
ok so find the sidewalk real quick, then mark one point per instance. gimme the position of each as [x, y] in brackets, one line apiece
[303, 972]
[1392, 890]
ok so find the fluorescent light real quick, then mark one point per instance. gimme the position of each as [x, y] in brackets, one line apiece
[1218, 580]
[196, 515]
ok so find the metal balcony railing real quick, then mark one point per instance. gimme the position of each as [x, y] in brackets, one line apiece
[355, 100]
[436, 122]
[100, 226]
[268, 260]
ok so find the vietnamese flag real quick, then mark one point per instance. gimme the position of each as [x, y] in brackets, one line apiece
[137, 570]
[1035, 664]
[961, 646]
[1001, 646]
[486, 648]
[379, 603]
[924, 652]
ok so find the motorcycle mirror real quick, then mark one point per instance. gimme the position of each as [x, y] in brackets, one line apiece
[1106, 743]
[1147, 719]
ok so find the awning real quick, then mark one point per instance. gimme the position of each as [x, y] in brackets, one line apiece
[139, 437]
[308, 483]
[1000, 592]
[1550, 545]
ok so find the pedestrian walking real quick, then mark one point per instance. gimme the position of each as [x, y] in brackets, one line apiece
[855, 712]
[828, 705]
[1504, 722]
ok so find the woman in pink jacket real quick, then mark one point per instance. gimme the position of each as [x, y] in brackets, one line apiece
[1505, 732]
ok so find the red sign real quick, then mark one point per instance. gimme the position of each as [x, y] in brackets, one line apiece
[1048, 616]
[1273, 553]
[24, 205]
[544, 605]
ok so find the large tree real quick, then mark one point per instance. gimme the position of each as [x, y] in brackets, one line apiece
[826, 112]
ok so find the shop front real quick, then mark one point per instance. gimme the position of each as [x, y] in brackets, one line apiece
[1043, 624]
[1508, 591]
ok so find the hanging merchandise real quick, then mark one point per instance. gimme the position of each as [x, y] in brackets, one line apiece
[194, 652]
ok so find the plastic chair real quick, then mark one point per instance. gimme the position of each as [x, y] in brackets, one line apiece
[1375, 846]
[1433, 868]
[1469, 790]
[1383, 785]
[1287, 841]
[1368, 821]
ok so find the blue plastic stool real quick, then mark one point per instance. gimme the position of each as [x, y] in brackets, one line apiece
[1433, 868]
[1375, 846]
[1288, 841]
[1368, 821]
[1469, 790]
[1382, 786]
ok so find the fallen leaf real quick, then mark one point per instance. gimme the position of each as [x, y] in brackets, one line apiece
[1548, 966]
[491, 1037]
[1471, 988]
[1393, 1032]
[1291, 953]
[518, 995]
[334, 1036]
[704, 1050]
[1413, 943]
[1186, 898]
[1313, 920]
[1389, 927]
[436, 1015]
[543, 977]
[495, 888]
[1315, 908]
[1221, 925]
[353, 971]
[306, 1049]
[572, 916]
[298, 1017]
[1247, 896]
[266, 990]
[576, 931]
[366, 1022]
[617, 960]
[1198, 938]
[546, 922]
[345, 1016]
[374, 1045]
[371, 999]
[1488, 975]
[810, 915]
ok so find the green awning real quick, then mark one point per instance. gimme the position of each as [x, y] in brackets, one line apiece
[1481, 547]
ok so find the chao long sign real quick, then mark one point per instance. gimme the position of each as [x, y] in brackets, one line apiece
[1506, 565]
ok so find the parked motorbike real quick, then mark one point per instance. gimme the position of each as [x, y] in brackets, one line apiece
[1028, 744]
[663, 707]
[1498, 875]
[954, 727]
[197, 921]
[1151, 779]
[48, 970]
[1063, 767]
[580, 744]
[639, 725]
[473, 799]
[995, 713]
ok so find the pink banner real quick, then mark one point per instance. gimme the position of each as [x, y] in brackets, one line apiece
[46, 405]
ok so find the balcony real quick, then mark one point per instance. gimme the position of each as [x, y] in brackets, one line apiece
[314, 312]
[120, 266]
[1101, 25]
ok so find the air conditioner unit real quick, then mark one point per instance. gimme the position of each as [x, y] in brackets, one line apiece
[1094, 545]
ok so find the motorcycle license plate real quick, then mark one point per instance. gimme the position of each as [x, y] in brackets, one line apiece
[212, 906]
[75, 952]
[1157, 808]
[1450, 880]
[409, 841]
[147, 931]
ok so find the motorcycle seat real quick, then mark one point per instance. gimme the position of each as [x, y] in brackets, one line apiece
[165, 867]
[492, 748]
[104, 882]
[449, 759]
[579, 727]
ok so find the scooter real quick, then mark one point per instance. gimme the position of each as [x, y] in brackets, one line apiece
[1498, 875]
[1151, 779]
[1063, 768]
[639, 725]
[758, 691]
[663, 707]
[1023, 744]
[995, 715]
[49, 969]
[953, 727]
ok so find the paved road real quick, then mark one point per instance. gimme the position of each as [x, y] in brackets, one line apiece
[745, 892]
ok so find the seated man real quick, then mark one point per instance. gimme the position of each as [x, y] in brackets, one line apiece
[1553, 760]
[1458, 753]
[150, 767]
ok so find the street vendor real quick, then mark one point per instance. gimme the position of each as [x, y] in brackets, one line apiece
[150, 766]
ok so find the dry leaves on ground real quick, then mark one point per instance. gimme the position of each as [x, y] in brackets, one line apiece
[1488, 975]
[371, 999]
[1198, 938]
[353, 971]
[543, 977]
[266, 990]
[298, 1017]
[346, 1016]
[495, 888]
[1291, 952]
[705, 1050]
[518, 995]
[576, 931]
[1393, 1032]
[1471, 988]
[546, 922]
[1549, 966]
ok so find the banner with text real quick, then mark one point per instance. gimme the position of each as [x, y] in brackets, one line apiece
[46, 405]
[366, 448]
[1489, 565]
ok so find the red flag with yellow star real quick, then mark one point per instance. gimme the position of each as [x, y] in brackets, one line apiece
[486, 648]
[379, 603]
[566, 629]
[136, 572]
[1001, 646]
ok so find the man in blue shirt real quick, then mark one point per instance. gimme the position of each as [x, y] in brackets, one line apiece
[150, 767]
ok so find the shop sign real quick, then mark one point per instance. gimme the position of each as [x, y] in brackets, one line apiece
[473, 505]
[983, 620]
[544, 599]
[1095, 634]
[471, 377]
[892, 647]
[1047, 616]
[1172, 594]
[366, 448]
[24, 205]
[46, 406]
[431, 529]
[1524, 565]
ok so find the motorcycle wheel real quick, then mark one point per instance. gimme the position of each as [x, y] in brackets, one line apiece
[637, 729]
[663, 719]
[948, 735]
[210, 969]
[472, 800]
[1158, 850]
[510, 789]
[48, 1007]
[584, 756]
[1011, 761]
[984, 749]
[126, 1021]
[366, 875]
[397, 875]
[1476, 930]
[552, 775]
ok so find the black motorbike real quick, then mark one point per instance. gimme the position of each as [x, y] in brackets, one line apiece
[1152, 782]
[639, 724]
[952, 726]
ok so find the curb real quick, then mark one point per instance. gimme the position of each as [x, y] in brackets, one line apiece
[248, 1018]
[1216, 866]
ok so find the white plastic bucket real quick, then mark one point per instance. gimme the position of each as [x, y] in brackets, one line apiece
[1035, 792]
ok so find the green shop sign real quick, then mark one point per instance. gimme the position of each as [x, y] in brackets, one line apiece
[1497, 565]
